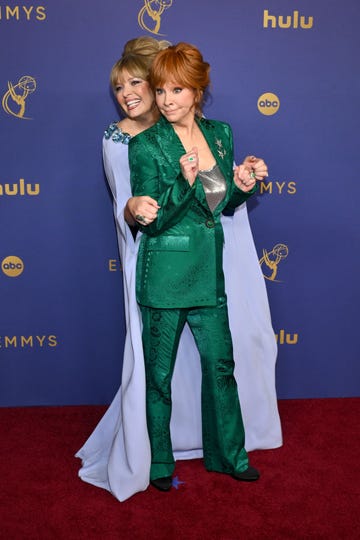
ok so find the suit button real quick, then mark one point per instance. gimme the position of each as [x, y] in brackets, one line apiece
[210, 223]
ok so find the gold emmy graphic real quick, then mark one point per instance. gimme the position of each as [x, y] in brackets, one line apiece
[153, 10]
[270, 261]
[14, 100]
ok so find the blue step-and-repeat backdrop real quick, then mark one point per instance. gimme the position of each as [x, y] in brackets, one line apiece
[284, 74]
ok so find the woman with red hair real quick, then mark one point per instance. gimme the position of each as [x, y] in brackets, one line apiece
[185, 163]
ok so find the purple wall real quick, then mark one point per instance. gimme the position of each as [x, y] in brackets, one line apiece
[61, 321]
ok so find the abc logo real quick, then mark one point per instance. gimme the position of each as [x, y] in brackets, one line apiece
[268, 104]
[12, 266]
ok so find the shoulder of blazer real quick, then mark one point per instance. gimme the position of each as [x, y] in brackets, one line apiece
[156, 134]
[145, 135]
[209, 125]
[159, 145]
[219, 133]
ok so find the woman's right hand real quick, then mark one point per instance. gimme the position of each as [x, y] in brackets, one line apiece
[189, 165]
[142, 210]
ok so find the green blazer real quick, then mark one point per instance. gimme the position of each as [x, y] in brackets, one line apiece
[181, 251]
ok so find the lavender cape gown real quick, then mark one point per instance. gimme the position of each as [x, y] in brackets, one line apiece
[116, 456]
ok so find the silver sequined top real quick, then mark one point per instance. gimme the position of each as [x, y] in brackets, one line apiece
[214, 186]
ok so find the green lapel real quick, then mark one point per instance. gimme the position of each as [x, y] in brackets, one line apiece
[169, 143]
[172, 149]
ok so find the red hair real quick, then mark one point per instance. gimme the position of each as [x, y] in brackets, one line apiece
[181, 64]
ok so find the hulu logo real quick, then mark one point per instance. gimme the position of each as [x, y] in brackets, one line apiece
[289, 21]
[19, 188]
[283, 338]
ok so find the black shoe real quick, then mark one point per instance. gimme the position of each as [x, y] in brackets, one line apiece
[249, 475]
[163, 484]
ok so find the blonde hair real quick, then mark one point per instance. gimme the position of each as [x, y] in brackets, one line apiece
[137, 57]
[182, 64]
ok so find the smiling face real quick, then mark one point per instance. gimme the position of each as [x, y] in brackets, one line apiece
[134, 96]
[176, 103]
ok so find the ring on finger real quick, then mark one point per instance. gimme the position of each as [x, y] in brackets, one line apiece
[140, 218]
[252, 175]
[191, 158]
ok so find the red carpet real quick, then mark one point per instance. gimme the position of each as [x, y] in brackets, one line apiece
[309, 488]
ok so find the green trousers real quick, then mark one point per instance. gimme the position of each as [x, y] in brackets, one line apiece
[222, 425]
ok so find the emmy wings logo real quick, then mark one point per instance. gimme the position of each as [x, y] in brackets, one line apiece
[14, 100]
[149, 16]
[270, 261]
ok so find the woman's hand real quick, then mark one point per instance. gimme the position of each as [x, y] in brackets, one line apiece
[141, 210]
[189, 164]
[258, 166]
[251, 170]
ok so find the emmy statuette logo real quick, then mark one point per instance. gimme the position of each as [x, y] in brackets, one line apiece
[270, 261]
[149, 16]
[268, 103]
[12, 266]
[14, 100]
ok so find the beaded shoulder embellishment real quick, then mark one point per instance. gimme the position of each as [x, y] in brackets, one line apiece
[116, 134]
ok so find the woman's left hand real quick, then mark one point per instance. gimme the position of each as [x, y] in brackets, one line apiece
[258, 166]
[251, 170]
